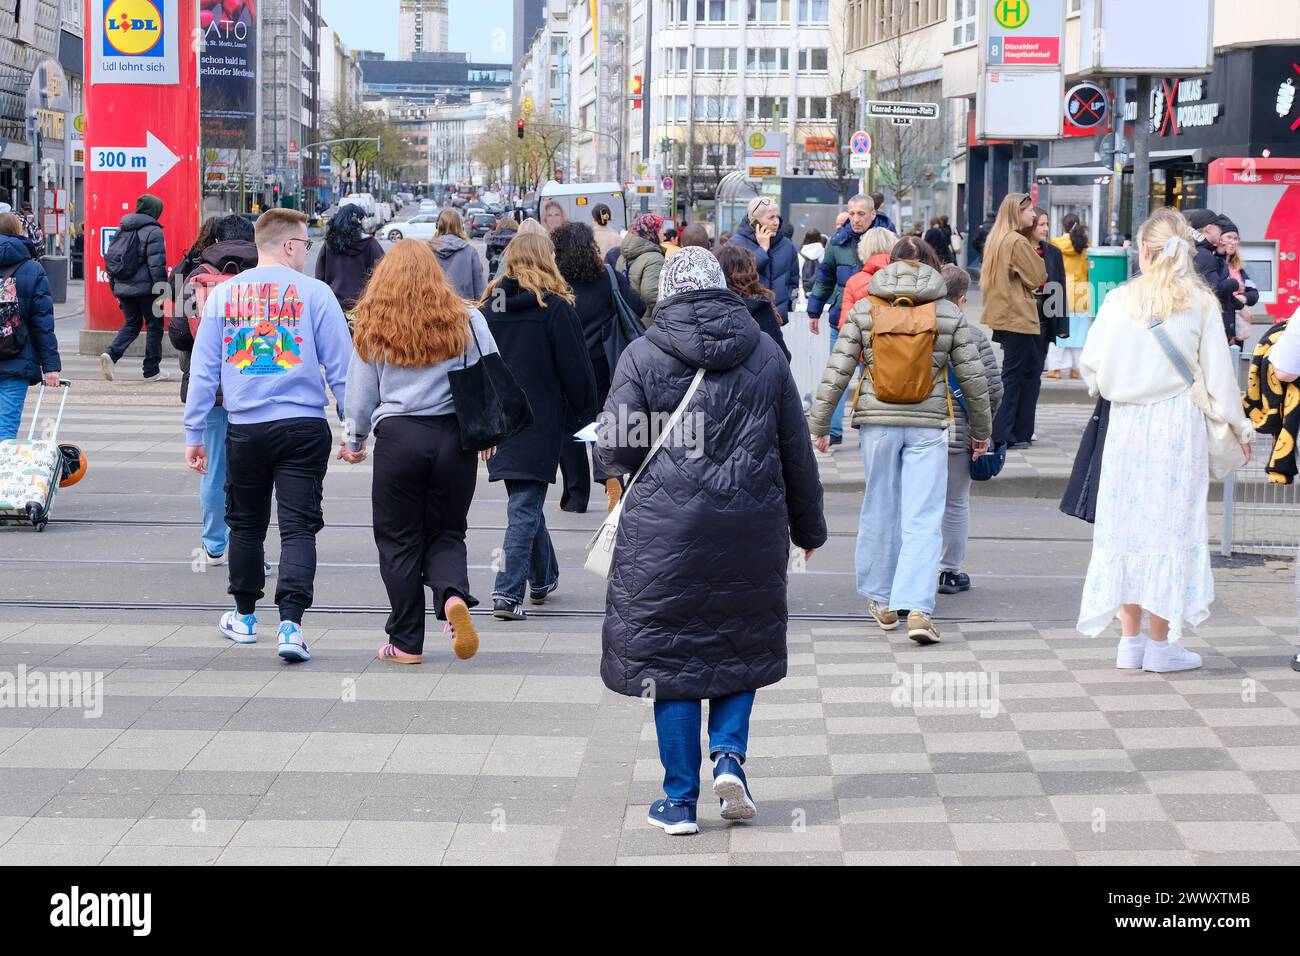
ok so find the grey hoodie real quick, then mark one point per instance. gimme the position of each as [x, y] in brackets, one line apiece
[461, 264]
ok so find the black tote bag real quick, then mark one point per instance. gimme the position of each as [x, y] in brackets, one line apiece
[490, 405]
[1080, 500]
[624, 327]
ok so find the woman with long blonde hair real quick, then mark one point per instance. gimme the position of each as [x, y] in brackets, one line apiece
[530, 311]
[411, 330]
[459, 260]
[1150, 546]
[1011, 273]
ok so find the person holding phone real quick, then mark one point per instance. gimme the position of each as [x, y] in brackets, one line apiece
[775, 256]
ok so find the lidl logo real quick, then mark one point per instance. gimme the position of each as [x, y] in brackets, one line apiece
[133, 28]
[1011, 13]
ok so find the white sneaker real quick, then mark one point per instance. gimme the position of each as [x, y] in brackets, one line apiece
[214, 560]
[1129, 655]
[292, 646]
[106, 366]
[240, 628]
[1164, 657]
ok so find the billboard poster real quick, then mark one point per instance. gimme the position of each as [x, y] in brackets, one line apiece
[228, 69]
[134, 41]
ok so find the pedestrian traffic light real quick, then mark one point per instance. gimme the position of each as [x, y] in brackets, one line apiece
[519, 129]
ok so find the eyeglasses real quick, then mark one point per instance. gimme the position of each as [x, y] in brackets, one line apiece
[306, 243]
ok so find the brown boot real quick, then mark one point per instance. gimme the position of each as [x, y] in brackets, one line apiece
[614, 490]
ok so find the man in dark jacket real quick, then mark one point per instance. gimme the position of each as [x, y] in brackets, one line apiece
[696, 605]
[775, 256]
[25, 290]
[982, 234]
[233, 252]
[137, 294]
[495, 242]
[543, 347]
[1208, 227]
[881, 221]
[839, 264]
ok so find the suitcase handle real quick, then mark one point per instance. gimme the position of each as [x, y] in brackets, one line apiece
[36, 412]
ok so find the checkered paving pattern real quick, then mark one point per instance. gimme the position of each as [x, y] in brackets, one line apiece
[211, 753]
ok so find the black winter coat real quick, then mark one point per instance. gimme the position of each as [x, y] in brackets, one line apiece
[231, 257]
[696, 602]
[1053, 304]
[153, 256]
[545, 351]
[778, 265]
[595, 307]
[1214, 270]
[347, 273]
[761, 309]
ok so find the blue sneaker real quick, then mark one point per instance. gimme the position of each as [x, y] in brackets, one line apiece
[292, 647]
[730, 787]
[240, 628]
[673, 819]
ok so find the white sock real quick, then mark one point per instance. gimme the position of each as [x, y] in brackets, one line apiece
[1135, 637]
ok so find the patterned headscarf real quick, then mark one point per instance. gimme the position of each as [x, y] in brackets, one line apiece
[647, 226]
[690, 268]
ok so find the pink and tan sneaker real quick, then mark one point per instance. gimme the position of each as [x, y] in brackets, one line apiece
[394, 655]
[464, 640]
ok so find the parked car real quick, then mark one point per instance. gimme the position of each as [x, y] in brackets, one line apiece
[429, 208]
[480, 224]
[422, 226]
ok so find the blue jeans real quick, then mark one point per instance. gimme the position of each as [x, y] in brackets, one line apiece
[13, 395]
[528, 558]
[677, 725]
[837, 420]
[900, 531]
[212, 486]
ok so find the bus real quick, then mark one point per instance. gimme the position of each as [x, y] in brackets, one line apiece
[578, 199]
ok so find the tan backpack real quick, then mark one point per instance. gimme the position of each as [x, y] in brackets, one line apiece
[903, 337]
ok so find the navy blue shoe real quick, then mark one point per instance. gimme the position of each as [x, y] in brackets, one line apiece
[730, 787]
[673, 819]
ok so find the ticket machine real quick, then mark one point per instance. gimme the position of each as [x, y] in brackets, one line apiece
[1262, 196]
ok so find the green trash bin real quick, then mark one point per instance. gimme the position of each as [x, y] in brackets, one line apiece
[1108, 267]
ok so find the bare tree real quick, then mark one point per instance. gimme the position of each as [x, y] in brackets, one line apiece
[718, 115]
[843, 96]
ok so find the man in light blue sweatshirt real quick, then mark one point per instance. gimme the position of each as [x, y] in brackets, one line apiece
[264, 337]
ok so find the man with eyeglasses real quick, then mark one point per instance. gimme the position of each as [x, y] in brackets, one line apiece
[265, 336]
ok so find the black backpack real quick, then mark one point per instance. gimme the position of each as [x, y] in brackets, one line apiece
[13, 332]
[122, 258]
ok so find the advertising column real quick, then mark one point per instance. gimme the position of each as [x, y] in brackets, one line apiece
[142, 108]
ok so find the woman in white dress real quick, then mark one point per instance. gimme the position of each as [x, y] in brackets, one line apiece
[1150, 548]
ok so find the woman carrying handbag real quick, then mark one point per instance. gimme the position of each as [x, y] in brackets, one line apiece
[1156, 352]
[696, 604]
[412, 333]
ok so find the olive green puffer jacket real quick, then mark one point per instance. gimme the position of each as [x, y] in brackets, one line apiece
[954, 344]
[641, 261]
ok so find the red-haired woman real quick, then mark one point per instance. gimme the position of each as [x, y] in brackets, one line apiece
[411, 329]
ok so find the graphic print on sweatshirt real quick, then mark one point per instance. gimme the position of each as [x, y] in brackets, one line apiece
[261, 328]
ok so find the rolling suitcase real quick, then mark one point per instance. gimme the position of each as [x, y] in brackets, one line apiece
[30, 471]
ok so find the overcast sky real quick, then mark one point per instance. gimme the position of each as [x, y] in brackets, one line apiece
[480, 28]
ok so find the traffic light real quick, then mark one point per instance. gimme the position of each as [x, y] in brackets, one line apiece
[519, 129]
[634, 88]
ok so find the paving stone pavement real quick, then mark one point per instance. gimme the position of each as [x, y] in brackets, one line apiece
[207, 752]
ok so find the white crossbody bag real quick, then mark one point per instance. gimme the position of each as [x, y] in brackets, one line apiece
[600, 550]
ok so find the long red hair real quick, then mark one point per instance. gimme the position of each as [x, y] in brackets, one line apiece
[409, 315]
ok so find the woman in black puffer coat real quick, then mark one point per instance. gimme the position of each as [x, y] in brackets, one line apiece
[696, 605]
[349, 256]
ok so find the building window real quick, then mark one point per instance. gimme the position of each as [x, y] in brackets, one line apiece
[813, 107]
[814, 11]
[767, 11]
[717, 11]
[715, 109]
[683, 53]
[963, 22]
[715, 59]
[764, 108]
[813, 60]
[767, 59]
[683, 10]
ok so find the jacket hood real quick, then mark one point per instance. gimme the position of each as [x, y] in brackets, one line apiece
[447, 246]
[14, 249]
[746, 230]
[705, 328]
[633, 246]
[920, 282]
[845, 236]
[518, 299]
[813, 251]
[233, 255]
[137, 220]
[148, 205]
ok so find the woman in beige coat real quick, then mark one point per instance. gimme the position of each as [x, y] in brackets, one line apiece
[1011, 272]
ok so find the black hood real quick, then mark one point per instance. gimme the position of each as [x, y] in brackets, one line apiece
[233, 255]
[136, 220]
[518, 299]
[746, 230]
[705, 328]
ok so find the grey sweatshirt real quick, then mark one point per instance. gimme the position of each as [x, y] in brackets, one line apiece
[376, 390]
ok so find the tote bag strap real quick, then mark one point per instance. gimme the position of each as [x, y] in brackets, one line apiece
[663, 435]
[1175, 357]
[464, 359]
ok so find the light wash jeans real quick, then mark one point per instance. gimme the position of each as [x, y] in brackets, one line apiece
[900, 531]
[212, 486]
[837, 419]
[13, 395]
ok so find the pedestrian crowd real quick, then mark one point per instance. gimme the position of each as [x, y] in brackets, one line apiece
[425, 348]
